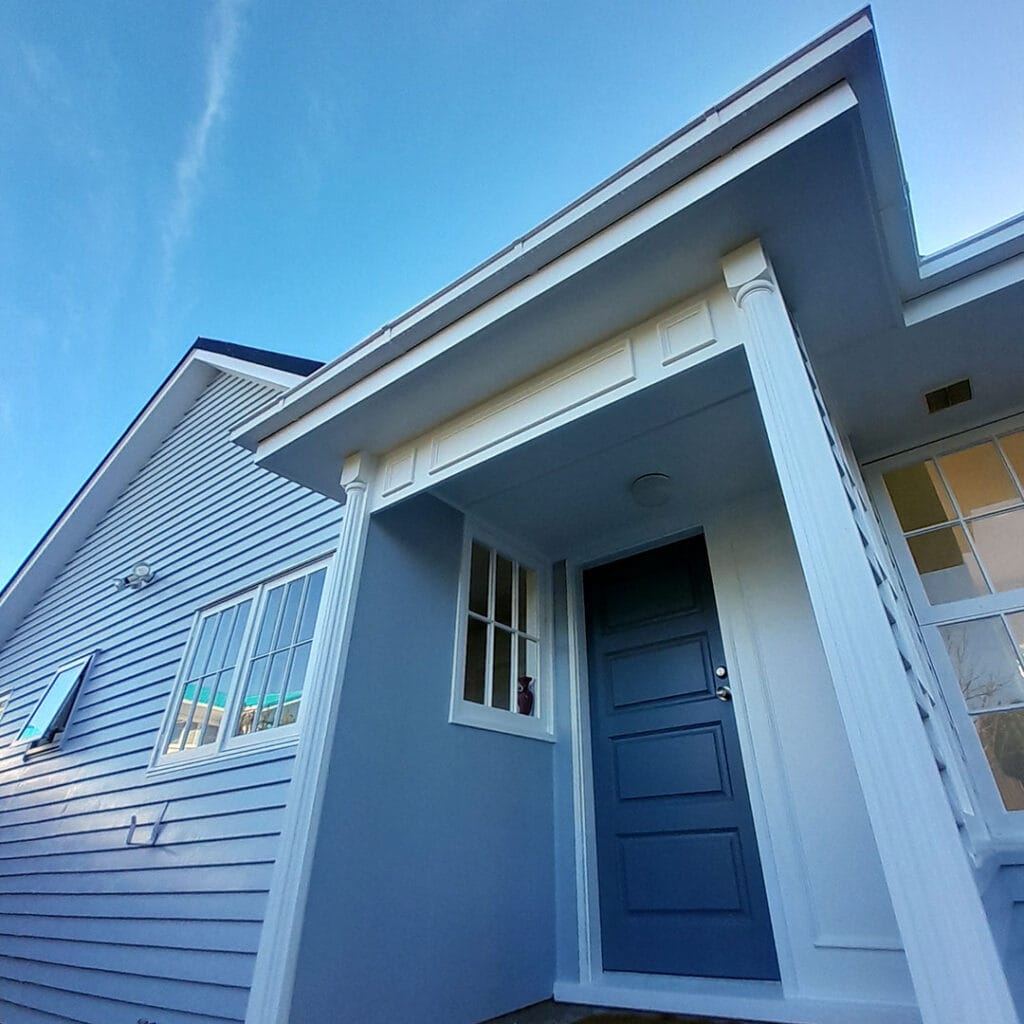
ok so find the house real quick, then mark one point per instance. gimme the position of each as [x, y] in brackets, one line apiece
[639, 620]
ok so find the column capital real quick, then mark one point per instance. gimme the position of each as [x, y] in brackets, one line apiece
[747, 270]
[357, 471]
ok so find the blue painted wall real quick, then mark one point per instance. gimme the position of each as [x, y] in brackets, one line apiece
[91, 931]
[432, 895]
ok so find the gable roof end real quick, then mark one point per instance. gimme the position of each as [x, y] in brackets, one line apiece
[198, 367]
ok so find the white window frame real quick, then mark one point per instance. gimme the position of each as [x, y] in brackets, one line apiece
[538, 726]
[64, 712]
[930, 617]
[227, 746]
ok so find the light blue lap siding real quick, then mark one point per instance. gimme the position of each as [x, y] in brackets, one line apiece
[91, 931]
[433, 888]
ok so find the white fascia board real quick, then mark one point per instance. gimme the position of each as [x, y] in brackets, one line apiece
[249, 371]
[783, 133]
[967, 289]
[115, 472]
[594, 211]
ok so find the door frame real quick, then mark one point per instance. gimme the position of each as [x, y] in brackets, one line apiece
[588, 917]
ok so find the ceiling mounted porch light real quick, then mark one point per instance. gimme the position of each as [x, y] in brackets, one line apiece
[650, 490]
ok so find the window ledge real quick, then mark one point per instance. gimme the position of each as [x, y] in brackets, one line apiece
[476, 716]
[230, 758]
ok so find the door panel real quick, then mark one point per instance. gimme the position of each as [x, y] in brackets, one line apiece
[681, 890]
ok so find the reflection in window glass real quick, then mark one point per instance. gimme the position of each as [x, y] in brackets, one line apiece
[949, 571]
[1002, 739]
[999, 541]
[1013, 449]
[503, 590]
[985, 663]
[979, 480]
[919, 496]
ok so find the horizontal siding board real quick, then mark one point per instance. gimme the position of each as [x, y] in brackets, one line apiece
[212, 878]
[243, 825]
[200, 906]
[147, 994]
[149, 963]
[109, 813]
[19, 807]
[91, 930]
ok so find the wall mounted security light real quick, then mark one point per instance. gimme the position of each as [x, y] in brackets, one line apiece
[140, 576]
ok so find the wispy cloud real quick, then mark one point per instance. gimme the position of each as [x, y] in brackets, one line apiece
[225, 28]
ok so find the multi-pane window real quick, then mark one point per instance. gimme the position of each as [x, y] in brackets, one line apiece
[245, 667]
[961, 513]
[498, 680]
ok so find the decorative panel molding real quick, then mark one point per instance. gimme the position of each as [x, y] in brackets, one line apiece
[399, 471]
[671, 343]
[686, 333]
[568, 385]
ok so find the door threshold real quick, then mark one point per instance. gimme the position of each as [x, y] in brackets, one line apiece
[762, 1001]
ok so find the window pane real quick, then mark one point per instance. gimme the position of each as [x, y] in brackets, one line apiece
[296, 680]
[476, 661]
[979, 480]
[527, 677]
[919, 496]
[201, 654]
[216, 713]
[256, 677]
[286, 628]
[269, 620]
[311, 605]
[479, 579]
[985, 663]
[219, 647]
[1002, 738]
[1013, 449]
[948, 568]
[503, 590]
[999, 541]
[501, 673]
[527, 601]
[1016, 624]
[48, 712]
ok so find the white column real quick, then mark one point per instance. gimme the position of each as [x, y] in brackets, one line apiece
[276, 960]
[953, 961]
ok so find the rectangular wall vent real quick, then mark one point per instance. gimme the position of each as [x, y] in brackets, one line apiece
[952, 394]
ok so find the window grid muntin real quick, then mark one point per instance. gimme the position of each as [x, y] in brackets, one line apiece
[960, 519]
[165, 756]
[274, 648]
[516, 633]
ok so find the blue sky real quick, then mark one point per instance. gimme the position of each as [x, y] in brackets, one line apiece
[291, 176]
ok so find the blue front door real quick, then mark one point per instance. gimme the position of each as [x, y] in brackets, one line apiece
[681, 889]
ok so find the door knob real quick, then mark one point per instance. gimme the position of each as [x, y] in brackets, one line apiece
[723, 693]
[721, 672]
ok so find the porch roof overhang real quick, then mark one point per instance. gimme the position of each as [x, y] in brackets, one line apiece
[808, 144]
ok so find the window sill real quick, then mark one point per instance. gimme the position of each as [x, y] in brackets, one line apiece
[232, 757]
[476, 716]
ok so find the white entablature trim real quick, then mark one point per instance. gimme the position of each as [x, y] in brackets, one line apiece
[674, 341]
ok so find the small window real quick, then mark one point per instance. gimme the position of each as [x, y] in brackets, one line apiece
[244, 670]
[498, 680]
[51, 714]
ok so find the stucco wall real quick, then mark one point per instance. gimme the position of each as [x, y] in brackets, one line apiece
[432, 893]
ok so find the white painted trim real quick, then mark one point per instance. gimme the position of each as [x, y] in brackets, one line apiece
[953, 962]
[750, 1001]
[674, 341]
[249, 371]
[277, 957]
[463, 712]
[967, 289]
[269, 434]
